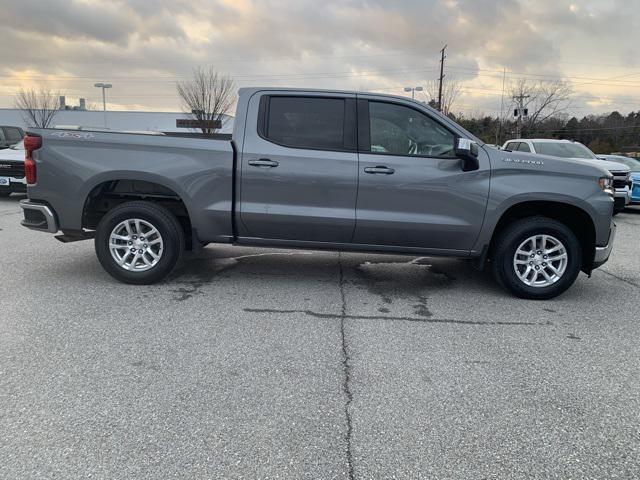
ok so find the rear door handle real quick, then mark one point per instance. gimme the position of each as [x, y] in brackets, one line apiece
[380, 170]
[263, 162]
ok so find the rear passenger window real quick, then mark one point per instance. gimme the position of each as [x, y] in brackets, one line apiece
[306, 122]
[524, 147]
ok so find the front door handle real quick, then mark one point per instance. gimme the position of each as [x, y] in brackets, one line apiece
[380, 170]
[263, 162]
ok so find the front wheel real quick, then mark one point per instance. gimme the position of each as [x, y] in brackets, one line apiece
[139, 242]
[537, 258]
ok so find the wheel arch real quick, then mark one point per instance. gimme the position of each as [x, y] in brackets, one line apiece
[104, 193]
[574, 217]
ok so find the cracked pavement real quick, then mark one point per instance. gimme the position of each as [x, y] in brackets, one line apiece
[257, 363]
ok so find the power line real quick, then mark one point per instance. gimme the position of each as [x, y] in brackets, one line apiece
[565, 129]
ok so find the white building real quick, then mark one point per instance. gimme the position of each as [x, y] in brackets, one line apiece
[115, 120]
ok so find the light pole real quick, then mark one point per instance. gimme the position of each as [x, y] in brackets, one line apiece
[103, 86]
[413, 91]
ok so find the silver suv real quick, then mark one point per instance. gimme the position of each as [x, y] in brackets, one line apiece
[577, 151]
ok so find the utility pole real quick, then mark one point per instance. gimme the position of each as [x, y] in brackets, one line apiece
[520, 112]
[499, 129]
[442, 57]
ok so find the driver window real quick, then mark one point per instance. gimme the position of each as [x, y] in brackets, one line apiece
[400, 130]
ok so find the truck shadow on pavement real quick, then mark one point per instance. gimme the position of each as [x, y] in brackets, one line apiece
[405, 282]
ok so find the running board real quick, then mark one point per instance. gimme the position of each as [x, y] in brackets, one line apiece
[75, 237]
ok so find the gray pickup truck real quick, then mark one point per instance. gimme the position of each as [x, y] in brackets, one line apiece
[322, 170]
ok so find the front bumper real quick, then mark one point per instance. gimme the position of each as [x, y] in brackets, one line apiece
[635, 189]
[15, 185]
[624, 194]
[38, 217]
[621, 199]
[602, 254]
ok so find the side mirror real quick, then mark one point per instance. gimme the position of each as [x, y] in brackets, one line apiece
[467, 151]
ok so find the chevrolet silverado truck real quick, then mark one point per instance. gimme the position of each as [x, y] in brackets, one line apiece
[329, 170]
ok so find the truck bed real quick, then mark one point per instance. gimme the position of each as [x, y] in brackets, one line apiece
[73, 166]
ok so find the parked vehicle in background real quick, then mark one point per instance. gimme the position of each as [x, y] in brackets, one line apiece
[577, 151]
[322, 170]
[9, 136]
[12, 170]
[634, 165]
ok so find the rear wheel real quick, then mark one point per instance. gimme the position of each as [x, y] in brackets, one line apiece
[139, 242]
[537, 258]
[4, 194]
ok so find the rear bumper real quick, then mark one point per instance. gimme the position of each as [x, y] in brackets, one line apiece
[38, 217]
[602, 253]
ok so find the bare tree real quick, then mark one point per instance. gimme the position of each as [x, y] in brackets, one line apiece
[451, 91]
[208, 96]
[38, 107]
[544, 100]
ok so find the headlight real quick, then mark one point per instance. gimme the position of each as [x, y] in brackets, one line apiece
[606, 184]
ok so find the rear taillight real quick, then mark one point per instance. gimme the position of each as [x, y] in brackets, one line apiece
[31, 143]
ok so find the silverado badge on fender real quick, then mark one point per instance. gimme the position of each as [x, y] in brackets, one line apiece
[520, 160]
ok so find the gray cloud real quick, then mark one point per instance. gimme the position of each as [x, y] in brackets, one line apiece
[107, 22]
[144, 46]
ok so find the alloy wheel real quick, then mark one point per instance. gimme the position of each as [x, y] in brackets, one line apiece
[136, 245]
[540, 261]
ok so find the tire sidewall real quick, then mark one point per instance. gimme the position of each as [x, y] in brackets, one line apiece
[164, 225]
[515, 238]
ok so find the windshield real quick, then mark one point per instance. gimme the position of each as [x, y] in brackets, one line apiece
[18, 146]
[632, 163]
[564, 150]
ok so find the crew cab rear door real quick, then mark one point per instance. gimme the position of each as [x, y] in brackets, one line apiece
[299, 168]
[412, 190]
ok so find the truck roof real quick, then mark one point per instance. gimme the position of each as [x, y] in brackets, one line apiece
[543, 140]
[249, 91]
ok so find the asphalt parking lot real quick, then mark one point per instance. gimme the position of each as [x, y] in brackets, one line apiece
[255, 363]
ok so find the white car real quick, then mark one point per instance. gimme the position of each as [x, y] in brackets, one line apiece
[12, 170]
[577, 151]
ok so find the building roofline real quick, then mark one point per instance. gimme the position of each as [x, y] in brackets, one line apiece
[113, 111]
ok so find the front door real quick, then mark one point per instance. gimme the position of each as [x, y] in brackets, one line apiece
[299, 168]
[412, 191]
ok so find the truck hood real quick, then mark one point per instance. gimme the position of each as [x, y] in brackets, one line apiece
[12, 155]
[545, 163]
[610, 166]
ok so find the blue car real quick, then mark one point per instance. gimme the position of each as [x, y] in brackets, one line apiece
[634, 165]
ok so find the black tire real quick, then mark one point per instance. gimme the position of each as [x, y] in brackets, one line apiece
[4, 194]
[502, 258]
[163, 220]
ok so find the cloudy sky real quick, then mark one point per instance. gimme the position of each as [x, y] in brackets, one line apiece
[144, 46]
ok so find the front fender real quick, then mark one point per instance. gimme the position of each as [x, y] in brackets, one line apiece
[511, 189]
